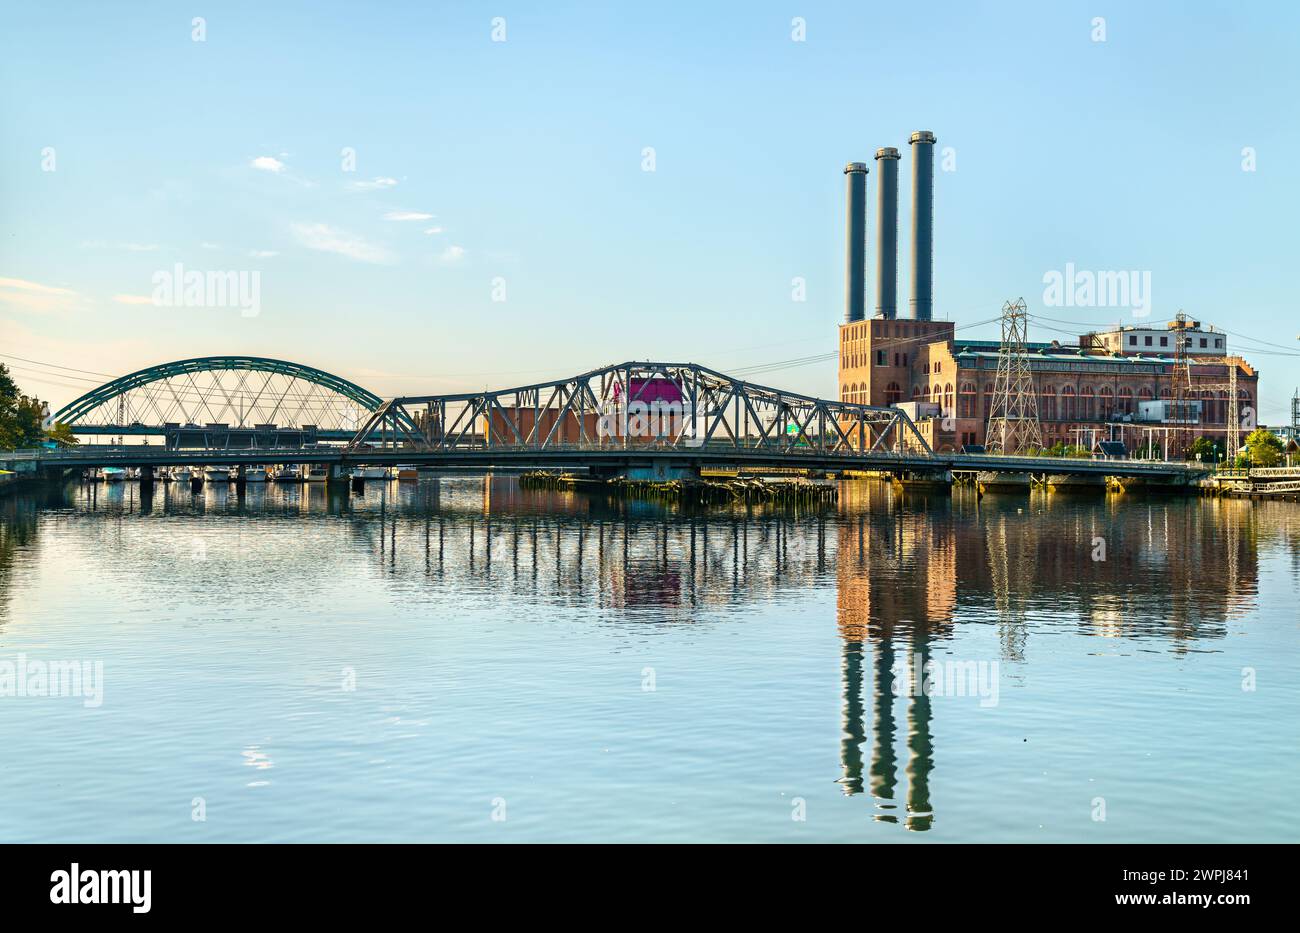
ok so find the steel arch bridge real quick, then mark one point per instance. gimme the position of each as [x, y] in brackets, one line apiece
[233, 391]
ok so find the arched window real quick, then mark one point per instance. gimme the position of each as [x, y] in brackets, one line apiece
[1087, 403]
[916, 393]
[1125, 400]
[988, 400]
[893, 393]
[1048, 408]
[966, 397]
[1107, 398]
[948, 401]
[1067, 403]
[1209, 411]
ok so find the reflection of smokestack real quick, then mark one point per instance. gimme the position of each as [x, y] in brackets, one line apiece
[922, 225]
[887, 233]
[855, 254]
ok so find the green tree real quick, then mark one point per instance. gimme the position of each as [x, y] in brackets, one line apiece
[20, 415]
[1265, 448]
[1204, 448]
[62, 435]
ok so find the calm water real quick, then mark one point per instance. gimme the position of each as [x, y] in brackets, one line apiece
[461, 660]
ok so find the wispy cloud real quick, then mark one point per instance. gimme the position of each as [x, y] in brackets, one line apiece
[329, 239]
[432, 230]
[374, 184]
[268, 164]
[133, 299]
[263, 253]
[277, 166]
[35, 296]
[408, 215]
[452, 255]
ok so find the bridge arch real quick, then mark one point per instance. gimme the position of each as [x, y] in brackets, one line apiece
[238, 390]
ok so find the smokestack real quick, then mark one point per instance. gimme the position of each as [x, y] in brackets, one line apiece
[922, 302]
[855, 254]
[887, 233]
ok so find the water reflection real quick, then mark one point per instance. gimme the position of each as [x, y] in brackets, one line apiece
[907, 572]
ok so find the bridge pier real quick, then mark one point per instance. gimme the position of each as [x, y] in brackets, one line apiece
[1076, 482]
[660, 469]
[146, 476]
[336, 476]
[997, 481]
[1177, 484]
[931, 480]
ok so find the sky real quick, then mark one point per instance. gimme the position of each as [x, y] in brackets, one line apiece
[496, 223]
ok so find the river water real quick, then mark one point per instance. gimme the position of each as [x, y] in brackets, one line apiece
[459, 659]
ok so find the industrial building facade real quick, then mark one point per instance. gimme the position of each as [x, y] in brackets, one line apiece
[1104, 387]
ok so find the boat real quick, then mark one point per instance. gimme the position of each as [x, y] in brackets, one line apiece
[112, 474]
[255, 474]
[181, 474]
[288, 474]
[370, 472]
[318, 474]
[407, 472]
[216, 474]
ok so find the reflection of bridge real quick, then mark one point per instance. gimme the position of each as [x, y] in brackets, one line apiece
[912, 581]
[662, 419]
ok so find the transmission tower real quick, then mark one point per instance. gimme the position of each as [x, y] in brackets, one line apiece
[1182, 388]
[1013, 416]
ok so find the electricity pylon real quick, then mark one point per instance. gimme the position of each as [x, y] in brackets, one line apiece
[1013, 416]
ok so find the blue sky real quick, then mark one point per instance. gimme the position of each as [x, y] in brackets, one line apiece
[226, 155]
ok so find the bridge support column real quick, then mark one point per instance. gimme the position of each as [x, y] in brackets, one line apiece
[336, 476]
[659, 469]
[933, 480]
[146, 476]
[1178, 484]
[1076, 482]
[996, 481]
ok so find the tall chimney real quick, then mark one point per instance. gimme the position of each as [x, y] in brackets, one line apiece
[887, 233]
[855, 253]
[922, 302]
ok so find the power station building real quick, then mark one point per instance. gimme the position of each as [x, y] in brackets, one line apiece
[1102, 386]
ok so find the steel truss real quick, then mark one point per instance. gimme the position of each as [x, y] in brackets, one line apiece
[242, 391]
[623, 407]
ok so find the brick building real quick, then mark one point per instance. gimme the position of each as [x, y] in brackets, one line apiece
[1091, 390]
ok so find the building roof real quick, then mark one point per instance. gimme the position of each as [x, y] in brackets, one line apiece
[988, 349]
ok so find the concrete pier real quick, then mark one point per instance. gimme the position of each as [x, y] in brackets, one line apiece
[1076, 482]
[990, 481]
[930, 480]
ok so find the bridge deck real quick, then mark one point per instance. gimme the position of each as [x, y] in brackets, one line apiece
[606, 458]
